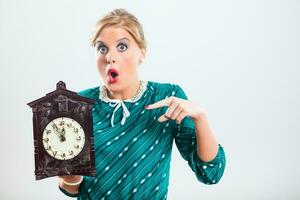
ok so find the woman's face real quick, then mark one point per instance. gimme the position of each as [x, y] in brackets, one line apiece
[118, 57]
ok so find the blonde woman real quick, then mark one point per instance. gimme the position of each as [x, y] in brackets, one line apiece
[136, 121]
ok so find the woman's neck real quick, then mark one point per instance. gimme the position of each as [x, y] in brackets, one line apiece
[127, 93]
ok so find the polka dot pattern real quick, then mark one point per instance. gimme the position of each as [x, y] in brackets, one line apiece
[133, 159]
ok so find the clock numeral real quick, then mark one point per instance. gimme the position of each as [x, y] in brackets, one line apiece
[62, 128]
[46, 139]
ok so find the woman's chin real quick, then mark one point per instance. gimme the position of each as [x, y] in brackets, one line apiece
[114, 86]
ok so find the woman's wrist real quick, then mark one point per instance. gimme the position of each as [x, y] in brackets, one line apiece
[73, 183]
[71, 180]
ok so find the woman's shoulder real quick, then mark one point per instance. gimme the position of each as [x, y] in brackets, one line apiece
[168, 89]
[92, 92]
[162, 85]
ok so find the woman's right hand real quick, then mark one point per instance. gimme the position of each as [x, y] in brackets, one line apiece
[70, 183]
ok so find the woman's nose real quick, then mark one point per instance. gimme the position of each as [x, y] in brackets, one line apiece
[110, 59]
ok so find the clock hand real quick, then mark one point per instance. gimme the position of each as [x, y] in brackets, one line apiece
[59, 133]
[63, 132]
[62, 138]
[56, 130]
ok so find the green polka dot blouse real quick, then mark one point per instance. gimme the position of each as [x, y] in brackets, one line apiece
[133, 150]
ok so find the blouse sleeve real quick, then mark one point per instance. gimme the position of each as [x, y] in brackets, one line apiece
[67, 193]
[185, 140]
[82, 192]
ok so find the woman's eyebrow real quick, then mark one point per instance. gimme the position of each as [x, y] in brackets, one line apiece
[122, 39]
[99, 41]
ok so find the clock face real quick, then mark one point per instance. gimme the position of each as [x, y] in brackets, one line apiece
[63, 138]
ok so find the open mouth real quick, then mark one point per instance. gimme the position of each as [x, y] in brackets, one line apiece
[113, 75]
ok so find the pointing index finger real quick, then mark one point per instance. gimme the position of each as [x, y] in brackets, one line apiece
[164, 102]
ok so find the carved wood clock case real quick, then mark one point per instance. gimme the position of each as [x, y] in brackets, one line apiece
[63, 134]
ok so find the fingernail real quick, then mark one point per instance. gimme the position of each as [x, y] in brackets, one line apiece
[146, 107]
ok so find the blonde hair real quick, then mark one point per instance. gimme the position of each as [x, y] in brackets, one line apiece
[121, 18]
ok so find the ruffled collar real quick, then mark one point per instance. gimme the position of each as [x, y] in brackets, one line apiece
[119, 103]
[104, 96]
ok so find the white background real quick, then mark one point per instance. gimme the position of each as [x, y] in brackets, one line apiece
[237, 59]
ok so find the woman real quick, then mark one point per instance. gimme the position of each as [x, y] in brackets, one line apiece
[135, 122]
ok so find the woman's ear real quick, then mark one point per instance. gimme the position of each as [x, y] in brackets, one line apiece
[142, 56]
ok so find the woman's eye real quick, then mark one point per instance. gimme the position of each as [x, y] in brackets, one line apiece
[122, 47]
[102, 49]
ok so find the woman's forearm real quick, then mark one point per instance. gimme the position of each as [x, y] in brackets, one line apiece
[207, 146]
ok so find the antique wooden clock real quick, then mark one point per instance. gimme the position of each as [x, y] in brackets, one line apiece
[63, 134]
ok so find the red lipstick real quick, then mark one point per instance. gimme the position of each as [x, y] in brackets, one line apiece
[113, 75]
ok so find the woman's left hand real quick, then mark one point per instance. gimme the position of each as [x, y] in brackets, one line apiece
[178, 109]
